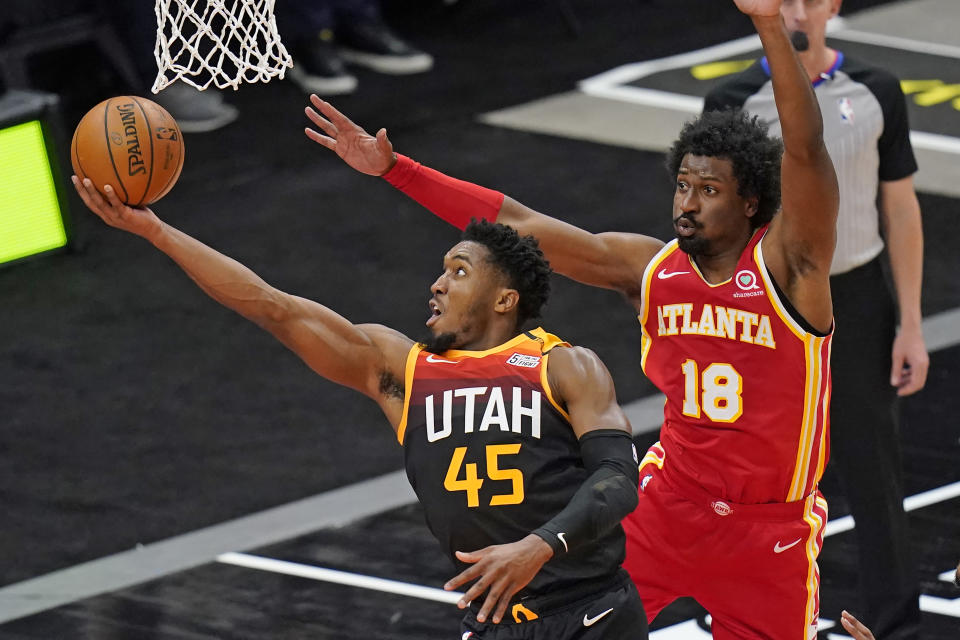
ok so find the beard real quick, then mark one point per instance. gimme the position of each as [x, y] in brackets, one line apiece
[439, 343]
[799, 40]
[695, 246]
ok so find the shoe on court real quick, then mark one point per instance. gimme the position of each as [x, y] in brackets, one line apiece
[196, 111]
[373, 45]
[318, 69]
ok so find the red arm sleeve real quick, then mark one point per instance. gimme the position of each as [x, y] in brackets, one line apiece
[452, 200]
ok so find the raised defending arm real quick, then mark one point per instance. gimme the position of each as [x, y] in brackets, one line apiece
[609, 260]
[804, 234]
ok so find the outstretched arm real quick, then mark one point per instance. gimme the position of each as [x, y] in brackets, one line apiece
[609, 260]
[804, 234]
[356, 356]
[582, 383]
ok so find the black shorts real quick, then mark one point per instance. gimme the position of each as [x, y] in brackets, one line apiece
[612, 613]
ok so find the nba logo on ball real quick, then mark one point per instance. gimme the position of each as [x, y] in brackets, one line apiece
[164, 133]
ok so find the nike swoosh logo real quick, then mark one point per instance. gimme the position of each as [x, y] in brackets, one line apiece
[563, 540]
[435, 359]
[778, 549]
[663, 274]
[588, 621]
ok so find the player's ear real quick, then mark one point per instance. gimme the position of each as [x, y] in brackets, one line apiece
[752, 204]
[507, 300]
[835, 8]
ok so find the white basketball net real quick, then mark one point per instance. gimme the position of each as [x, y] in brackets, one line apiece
[224, 42]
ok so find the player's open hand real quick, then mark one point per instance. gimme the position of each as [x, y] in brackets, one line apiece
[365, 153]
[854, 627]
[111, 210]
[759, 7]
[500, 570]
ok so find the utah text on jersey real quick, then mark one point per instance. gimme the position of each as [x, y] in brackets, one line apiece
[526, 404]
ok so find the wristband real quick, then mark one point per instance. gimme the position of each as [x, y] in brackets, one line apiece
[555, 541]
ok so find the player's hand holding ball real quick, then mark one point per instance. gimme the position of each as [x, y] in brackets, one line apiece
[131, 143]
[111, 210]
[127, 152]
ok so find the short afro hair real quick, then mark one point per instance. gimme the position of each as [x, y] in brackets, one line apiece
[520, 259]
[743, 140]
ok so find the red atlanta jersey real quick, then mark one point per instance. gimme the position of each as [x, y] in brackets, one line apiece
[492, 456]
[747, 380]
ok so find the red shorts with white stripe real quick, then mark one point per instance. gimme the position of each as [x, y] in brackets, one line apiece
[753, 567]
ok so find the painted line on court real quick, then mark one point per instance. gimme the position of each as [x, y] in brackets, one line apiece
[339, 577]
[148, 562]
[942, 330]
[635, 70]
[934, 142]
[614, 84]
[895, 42]
[603, 83]
[929, 604]
[646, 414]
[331, 509]
[836, 28]
[911, 503]
[933, 604]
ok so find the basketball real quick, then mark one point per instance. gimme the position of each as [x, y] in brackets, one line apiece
[133, 145]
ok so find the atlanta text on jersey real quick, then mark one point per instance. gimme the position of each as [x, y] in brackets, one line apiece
[715, 321]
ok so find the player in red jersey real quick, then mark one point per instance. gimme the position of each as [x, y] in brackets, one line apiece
[736, 318]
[513, 440]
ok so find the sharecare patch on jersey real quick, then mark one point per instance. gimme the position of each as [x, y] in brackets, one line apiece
[746, 280]
[523, 360]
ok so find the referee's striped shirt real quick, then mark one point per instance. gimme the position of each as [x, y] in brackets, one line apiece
[866, 132]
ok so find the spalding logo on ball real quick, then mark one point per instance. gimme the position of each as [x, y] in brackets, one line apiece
[133, 145]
